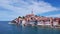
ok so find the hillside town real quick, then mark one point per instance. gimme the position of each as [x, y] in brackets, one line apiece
[33, 20]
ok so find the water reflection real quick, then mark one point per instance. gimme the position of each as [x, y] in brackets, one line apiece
[29, 30]
[33, 30]
[16, 29]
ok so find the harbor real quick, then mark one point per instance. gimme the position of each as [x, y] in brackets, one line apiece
[34, 20]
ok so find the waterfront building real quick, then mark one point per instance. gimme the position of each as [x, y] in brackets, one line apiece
[37, 20]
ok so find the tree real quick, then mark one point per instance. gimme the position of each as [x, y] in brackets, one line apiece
[19, 17]
[23, 17]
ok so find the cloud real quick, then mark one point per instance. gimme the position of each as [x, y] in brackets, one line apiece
[49, 13]
[57, 15]
[23, 7]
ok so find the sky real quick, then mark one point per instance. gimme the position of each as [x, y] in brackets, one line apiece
[11, 9]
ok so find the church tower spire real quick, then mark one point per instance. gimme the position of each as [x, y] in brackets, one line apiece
[32, 12]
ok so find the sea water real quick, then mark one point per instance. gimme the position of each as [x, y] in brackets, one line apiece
[6, 28]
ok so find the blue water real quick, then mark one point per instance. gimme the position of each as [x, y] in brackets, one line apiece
[6, 28]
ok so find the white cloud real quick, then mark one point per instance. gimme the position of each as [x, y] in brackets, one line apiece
[25, 7]
[56, 15]
[37, 6]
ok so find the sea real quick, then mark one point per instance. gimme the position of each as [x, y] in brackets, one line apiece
[6, 28]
